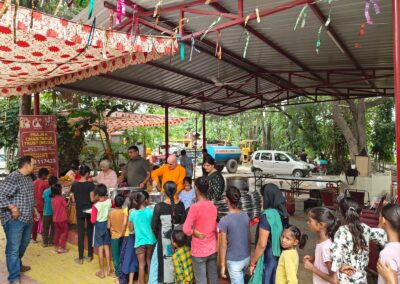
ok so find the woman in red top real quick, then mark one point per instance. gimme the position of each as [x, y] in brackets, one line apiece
[60, 218]
[40, 185]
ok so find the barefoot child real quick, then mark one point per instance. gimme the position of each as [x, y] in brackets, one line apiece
[389, 257]
[115, 225]
[322, 222]
[60, 218]
[140, 222]
[286, 272]
[128, 260]
[101, 237]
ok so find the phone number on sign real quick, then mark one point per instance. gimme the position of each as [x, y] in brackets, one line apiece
[45, 161]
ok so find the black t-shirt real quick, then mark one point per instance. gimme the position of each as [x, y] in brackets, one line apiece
[303, 157]
[81, 191]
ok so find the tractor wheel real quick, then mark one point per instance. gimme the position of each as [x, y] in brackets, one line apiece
[232, 166]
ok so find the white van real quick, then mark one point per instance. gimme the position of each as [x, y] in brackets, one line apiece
[279, 163]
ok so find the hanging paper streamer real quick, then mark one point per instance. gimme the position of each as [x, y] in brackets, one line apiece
[246, 20]
[192, 47]
[258, 15]
[110, 19]
[157, 8]
[360, 34]
[366, 10]
[91, 5]
[247, 44]
[218, 43]
[318, 43]
[33, 8]
[302, 17]
[15, 20]
[210, 27]
[5, 7]
[92, 28]
[120, 11]
[328, 21]
[181, 48]
[219, 52]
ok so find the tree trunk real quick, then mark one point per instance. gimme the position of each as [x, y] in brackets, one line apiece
[25, 105]
[269, 136]
[347, 132]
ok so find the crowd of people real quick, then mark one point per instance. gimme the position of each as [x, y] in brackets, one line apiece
[181, 239]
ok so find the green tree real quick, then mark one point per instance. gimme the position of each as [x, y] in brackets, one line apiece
[383, 132]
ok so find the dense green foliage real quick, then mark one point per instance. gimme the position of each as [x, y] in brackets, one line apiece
[383, 131]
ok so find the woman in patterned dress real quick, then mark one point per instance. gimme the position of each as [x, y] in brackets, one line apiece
[215, 180]
[350, 248]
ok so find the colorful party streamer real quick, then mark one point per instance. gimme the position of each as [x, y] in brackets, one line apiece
[192, 47]
[91, 5]
[302, 17]
[247, 43]
[318, 43]
[120, 11]
[210, 27]
[258, 15]
[366, 10]
[92, 28]
[5, 7]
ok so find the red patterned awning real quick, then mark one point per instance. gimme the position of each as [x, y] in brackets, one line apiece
[120, 121]
[49, 51]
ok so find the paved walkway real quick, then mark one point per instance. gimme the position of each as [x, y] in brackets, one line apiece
[50, 268]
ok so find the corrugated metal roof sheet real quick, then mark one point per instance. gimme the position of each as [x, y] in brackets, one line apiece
[171, 81]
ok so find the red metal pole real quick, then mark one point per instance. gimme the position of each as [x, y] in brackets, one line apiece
[204, 130]
[396, 61]
[166, 132]
[36, 109]
[240, 8]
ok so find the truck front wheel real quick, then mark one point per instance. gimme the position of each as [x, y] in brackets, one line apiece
[232, 166]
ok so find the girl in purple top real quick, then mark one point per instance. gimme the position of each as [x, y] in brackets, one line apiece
[389, 258]
[235, 239]
[322, 222]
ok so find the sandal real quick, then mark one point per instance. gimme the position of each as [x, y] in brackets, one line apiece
[78, 260]
[62, 251]
[100, 274]
[111, 273]
[88, 258]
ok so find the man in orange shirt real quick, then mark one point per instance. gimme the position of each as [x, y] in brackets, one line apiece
[170, 171]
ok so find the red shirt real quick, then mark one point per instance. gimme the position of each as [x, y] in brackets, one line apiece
[39, 186]
[59, 206]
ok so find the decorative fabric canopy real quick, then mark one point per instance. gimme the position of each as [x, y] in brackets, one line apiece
[44, 51]
[120, 121]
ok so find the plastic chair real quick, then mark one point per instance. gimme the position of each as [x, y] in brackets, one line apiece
[374, 213]
[329, 199]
